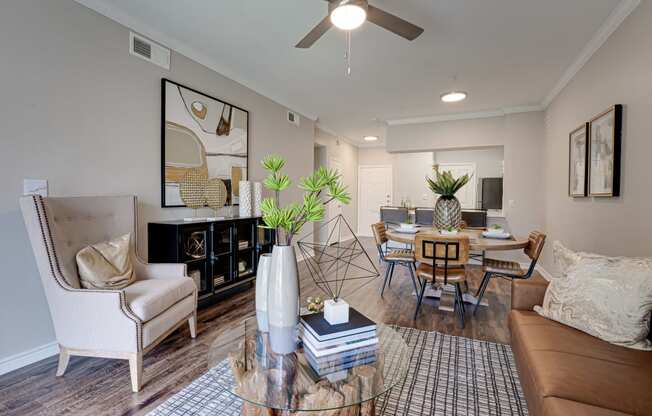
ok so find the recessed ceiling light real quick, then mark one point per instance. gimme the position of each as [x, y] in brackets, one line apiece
[348, 16]
[453, 96]
[370, 138]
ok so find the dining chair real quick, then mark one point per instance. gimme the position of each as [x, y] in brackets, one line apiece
[402, 257]
[424, 216]
[394, 215]
[510, 269]
[442, 259]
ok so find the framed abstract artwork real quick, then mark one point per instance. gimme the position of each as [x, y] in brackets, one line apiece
[578, 168]
[203, 135]
[605, 138]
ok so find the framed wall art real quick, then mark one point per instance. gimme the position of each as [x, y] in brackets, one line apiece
[578, 168]
[605, 135]
[202, 134]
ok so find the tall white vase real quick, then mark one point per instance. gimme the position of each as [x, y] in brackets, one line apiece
[258, 199]
[262, 280]
[283, 300]
[245, 199]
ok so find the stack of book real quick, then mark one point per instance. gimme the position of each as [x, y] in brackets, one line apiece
[333, 348]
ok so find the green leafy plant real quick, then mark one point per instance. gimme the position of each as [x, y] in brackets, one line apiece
[445, 184]
[320, 188]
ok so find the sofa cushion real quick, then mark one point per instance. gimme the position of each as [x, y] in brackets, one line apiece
[106, 265]
[151, 297]
[566, 363]
[607, 297]
[553, 406]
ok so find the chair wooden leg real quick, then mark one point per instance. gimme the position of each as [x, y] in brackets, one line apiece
[481, 290]
[64, 358]
[424, 283]
[192, 323]
[459, 300]
[414, 282]
[389, 266]
[136, 371]
[391, 275]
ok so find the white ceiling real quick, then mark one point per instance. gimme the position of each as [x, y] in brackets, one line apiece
[505, 53]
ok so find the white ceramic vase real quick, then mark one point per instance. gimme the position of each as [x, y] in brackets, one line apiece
[283, 300]
[258, 199]
[262, 280]
[245, 199]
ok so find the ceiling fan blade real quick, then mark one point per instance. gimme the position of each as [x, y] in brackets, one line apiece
[316, 33]
[393, 23]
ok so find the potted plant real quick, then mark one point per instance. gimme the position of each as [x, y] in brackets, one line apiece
[448, 211]
[320, 188]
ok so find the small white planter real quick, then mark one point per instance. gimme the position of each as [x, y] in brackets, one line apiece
[262, 283]
[336, 312]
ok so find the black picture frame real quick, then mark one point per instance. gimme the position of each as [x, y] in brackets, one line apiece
[615, 156]
[571, 136]
[164, 204]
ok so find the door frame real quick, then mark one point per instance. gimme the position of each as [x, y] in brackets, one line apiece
[391, 191]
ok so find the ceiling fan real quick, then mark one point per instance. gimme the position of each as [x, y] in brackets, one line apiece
[350, 14]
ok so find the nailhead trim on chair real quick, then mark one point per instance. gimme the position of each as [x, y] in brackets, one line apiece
[55, 269]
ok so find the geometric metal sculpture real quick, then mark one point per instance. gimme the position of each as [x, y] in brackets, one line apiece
[334, 262]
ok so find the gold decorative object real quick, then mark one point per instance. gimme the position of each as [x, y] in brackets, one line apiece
[192, 188]
[216, 193]
[199, 109]
[315, 304]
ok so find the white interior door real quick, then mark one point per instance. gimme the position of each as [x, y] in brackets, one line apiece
[468, 194]
[374, 191]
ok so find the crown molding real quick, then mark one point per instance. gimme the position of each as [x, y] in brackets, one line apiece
[137, 25]
[466, 116]
[615, 19]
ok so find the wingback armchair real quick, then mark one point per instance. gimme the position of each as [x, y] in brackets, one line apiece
[120, 324]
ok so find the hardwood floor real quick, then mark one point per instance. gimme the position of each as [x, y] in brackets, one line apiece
[93, 386]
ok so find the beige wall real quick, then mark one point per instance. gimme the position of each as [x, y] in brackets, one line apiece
[521, 136]
[78, 110]
[347, 155]
[619, 73]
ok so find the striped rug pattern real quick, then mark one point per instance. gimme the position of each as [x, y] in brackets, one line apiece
[448, 376]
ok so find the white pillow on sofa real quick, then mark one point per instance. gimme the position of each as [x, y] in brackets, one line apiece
[607, 297]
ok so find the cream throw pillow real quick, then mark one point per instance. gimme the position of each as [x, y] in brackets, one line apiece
[106, 265]
[607, 297]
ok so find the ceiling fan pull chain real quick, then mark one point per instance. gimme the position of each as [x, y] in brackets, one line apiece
[347, 55]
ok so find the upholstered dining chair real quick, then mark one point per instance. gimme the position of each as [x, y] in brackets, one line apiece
[442, 259]
[424, 216]
[120, 324]
[394, 215]
[401, 257]
[511, 269]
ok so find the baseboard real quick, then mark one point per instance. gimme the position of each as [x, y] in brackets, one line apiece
[28, 357]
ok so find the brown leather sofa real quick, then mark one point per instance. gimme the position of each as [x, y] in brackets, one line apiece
[564, 371]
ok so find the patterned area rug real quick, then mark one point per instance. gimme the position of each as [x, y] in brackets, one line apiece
[448, 375]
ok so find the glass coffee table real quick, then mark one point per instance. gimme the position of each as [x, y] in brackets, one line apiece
[272, 384]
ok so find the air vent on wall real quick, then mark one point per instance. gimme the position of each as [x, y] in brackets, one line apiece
[294, 118]
[149, 51]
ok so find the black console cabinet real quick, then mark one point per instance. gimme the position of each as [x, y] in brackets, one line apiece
[220, 255]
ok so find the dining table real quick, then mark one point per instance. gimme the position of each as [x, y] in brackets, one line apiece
[477, 242]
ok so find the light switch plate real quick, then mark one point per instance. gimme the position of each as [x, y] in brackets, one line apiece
[35, 187]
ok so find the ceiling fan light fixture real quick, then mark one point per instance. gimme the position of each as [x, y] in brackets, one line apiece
[453, 96]
[370, 138]
[348, 16]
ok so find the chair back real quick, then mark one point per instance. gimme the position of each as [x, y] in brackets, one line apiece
[536, 241]
[475, 218]
[440, 250]
[424, 216]
[393, 215]
[60, 227]
[380, 233]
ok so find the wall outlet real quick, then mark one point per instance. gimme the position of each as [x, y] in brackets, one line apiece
[511, 203]
[35, 187]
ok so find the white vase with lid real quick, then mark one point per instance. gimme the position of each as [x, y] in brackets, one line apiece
[262, 281]
[283, 300]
